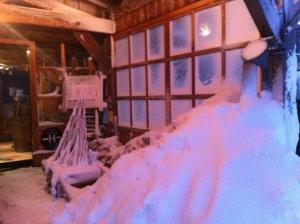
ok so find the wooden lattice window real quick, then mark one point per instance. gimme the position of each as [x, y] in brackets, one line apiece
[170, 65]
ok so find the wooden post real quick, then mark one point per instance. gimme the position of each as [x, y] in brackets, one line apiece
[259, 81]
[290, 88]
[33, 93]
[63, 55]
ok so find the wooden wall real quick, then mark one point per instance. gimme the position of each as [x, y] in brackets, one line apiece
[223, 57]
[87, 7]
[133, 12]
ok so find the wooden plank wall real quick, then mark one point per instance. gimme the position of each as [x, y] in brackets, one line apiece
[133, 15]
[133, 12]
[87, 7]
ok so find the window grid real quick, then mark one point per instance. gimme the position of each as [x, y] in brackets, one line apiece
[168, 58]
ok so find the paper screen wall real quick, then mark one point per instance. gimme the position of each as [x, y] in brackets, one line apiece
[156, 79]
[208, 73]
[123, 82]
[180, 35]
[137, 52]
[124, 113]
[138, 81]
[208, 28]
[139, 114]
[157, 114]
[156, 42]
[122, 54]
[181, 76]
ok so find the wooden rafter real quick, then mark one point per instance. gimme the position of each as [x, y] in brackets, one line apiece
[55, 18]
[48, 5]
[92, 46]
[101, 3]
[37, 35]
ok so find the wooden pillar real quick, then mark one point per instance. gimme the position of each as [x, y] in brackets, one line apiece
[33, 94]
[259, 81]
[63, 55]
[290, 70]
[290, 88]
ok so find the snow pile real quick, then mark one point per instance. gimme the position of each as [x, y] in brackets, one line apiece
[219, 163]
[109, 150]
[254, 49]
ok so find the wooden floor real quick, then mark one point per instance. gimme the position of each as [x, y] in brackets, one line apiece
[8, 154]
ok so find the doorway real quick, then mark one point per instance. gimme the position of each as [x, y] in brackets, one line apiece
[16, 124]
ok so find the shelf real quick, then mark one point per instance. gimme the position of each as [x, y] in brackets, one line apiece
[44, 124]
[48, 96]
[61, 69]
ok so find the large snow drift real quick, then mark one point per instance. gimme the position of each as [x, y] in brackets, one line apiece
[220, 163]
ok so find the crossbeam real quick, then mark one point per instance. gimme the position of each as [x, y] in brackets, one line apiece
[54, 19]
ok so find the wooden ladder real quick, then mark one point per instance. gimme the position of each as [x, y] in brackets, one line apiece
[92, 122]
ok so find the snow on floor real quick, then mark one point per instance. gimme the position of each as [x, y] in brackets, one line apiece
[22, 198]
[223, 163]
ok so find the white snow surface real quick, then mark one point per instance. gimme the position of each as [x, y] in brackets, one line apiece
[23, 199]
[254, 49]
[219, 163]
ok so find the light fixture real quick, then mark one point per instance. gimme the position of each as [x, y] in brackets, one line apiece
[204, 30]
[28, 52]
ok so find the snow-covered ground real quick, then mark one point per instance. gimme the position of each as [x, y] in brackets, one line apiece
[221, 162]
[23, 200]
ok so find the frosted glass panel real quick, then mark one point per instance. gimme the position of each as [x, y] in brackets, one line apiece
[156, 42]
[181, 82]
[156, 79]
[157, 114]
[180, 106]
[208, 32]
[138, 47]
[138, 81]
[123, 82]
[180, 35]
[208, 73]
[240, 26]
[122, 52]
[139, 116]
[124, 113]
[234, 70]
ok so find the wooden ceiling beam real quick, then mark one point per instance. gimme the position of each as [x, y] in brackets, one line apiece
[49, 18]
[47, 5]
[37, 35]
[100, 3]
